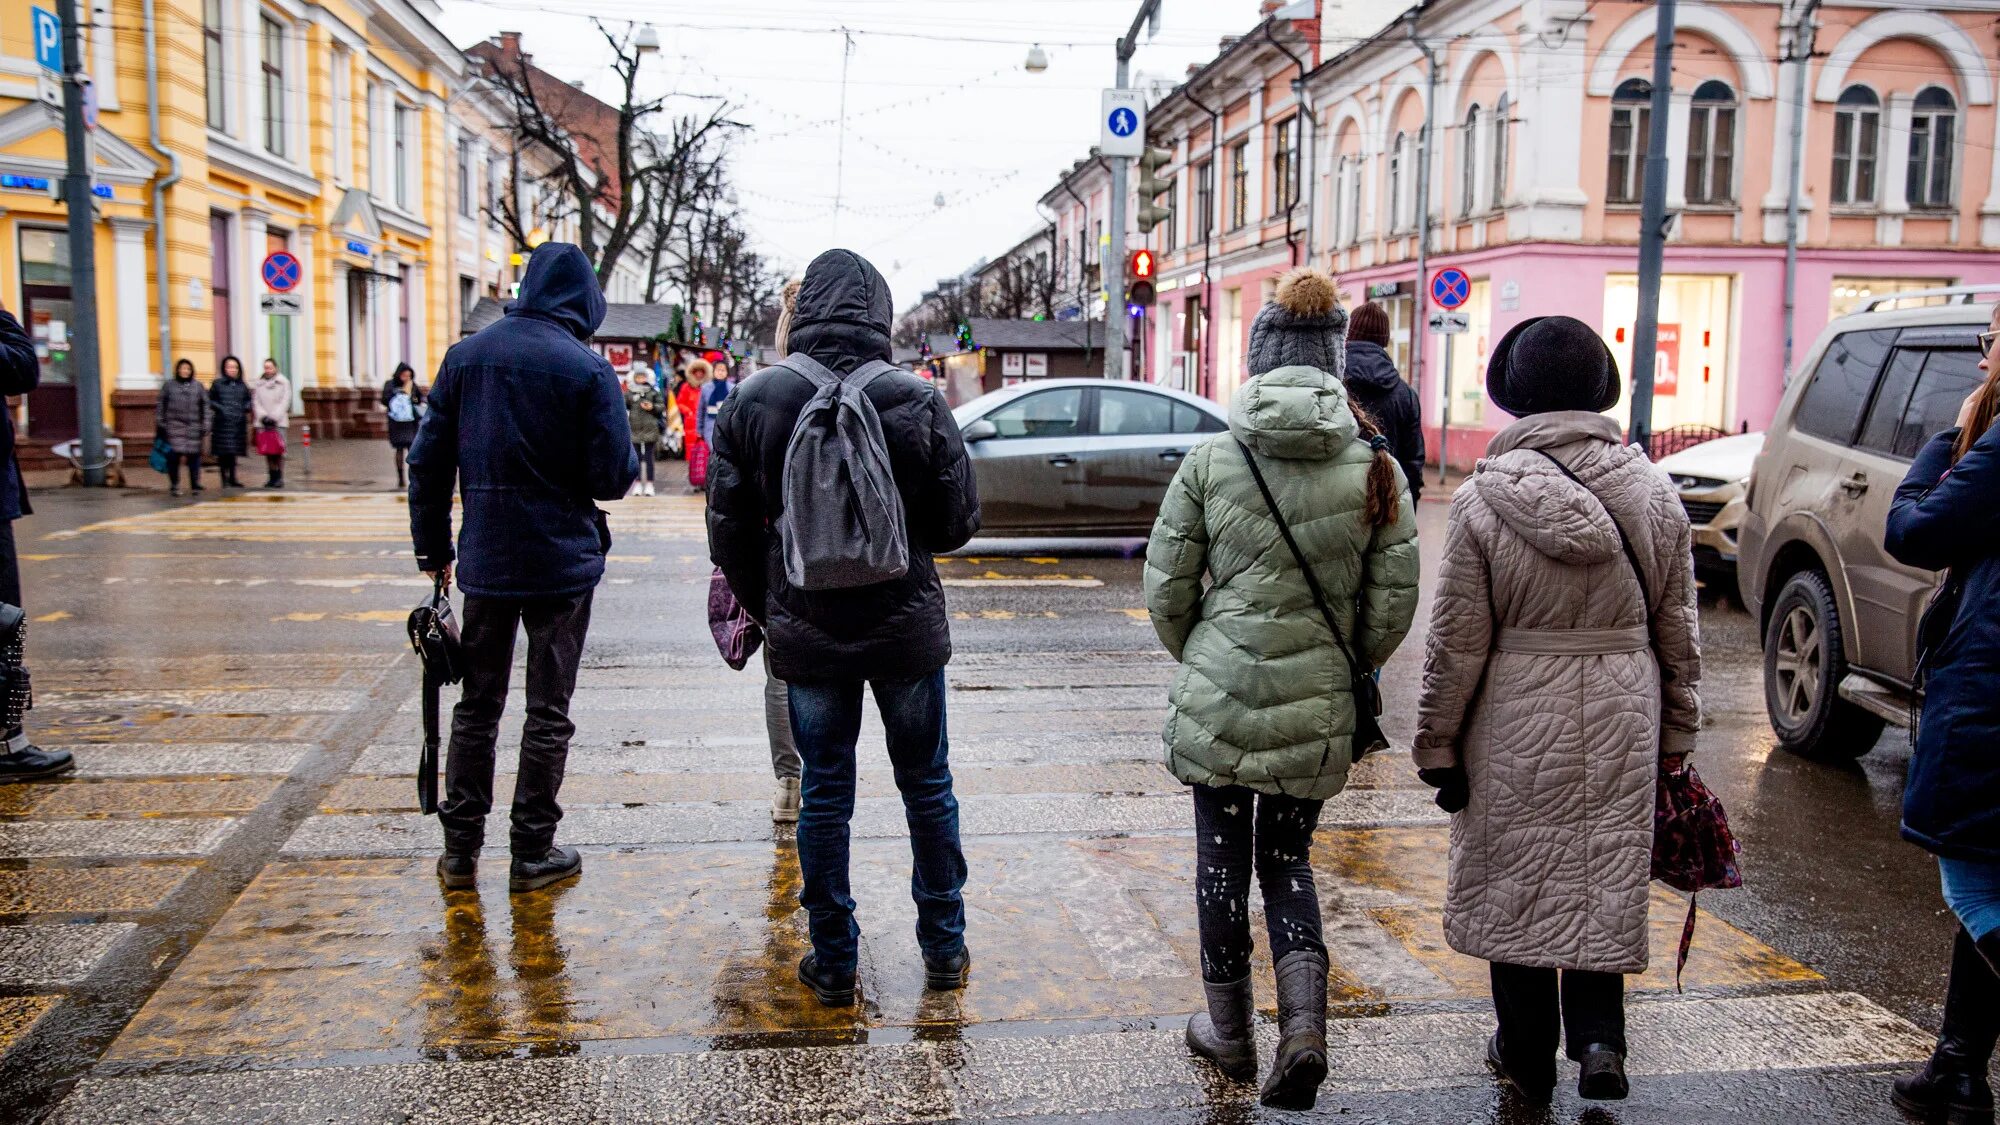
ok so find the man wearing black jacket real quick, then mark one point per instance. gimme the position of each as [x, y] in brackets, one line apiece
[894, 637]
[20, 372]
[1373, 383]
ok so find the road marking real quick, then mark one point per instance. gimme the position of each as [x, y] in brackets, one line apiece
[45, 955]
[124, 839]
[999, 580]
[58, 615]
[1125, 938]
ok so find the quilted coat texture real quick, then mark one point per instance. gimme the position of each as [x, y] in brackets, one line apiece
[1541, 680]
[1262, 698]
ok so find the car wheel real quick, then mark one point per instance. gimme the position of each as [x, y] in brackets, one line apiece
[1804, 664]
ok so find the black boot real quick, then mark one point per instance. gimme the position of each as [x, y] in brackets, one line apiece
[1952, 1087]
[1300, 1064]
[558, 864]
[947, 973]
[458, 872]
[1222, 1034]
[1536, 1090]
[835, 990]
[32, 763]
[1602, 1078]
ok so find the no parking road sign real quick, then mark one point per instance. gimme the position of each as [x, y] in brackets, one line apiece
[281, 272]
[1450, 287]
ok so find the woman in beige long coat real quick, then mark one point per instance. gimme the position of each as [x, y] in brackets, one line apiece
[1554, 688]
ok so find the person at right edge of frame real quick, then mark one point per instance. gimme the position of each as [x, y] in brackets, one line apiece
[529, 424]
[1946, 516]
[1263, 719]
[20, 372]
[831, 645]
[1561, 676]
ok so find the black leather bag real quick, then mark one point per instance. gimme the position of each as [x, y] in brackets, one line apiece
[434, 638]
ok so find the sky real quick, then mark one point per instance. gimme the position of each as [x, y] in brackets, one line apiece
[937, 101]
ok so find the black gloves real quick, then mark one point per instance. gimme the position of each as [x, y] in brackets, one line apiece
[1453, 791]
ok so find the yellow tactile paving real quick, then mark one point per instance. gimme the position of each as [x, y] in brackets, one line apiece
[329, 517]
[18, 1015]
[82, 799]
[91, 890]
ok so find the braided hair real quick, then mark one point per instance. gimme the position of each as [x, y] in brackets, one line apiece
[1383, 507]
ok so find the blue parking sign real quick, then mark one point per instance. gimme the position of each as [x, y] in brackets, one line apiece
[48, 38]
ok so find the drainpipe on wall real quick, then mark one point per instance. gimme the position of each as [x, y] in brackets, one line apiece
[162, 278]
[1303, 119]
[1206, 379]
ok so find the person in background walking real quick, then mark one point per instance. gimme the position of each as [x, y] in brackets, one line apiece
[1261, 719]
[1374, 385]
[832, 646]
[20, 760]
[713, 396]
[688, 399]
[785, 764]
[182, 418]
[271, 406]
[529, 424]
[1560, 678]
[229, 419]
[1946, 516]
[404, 400]
[645, 409]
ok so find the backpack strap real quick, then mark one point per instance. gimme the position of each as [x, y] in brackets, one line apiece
[868, 372]
[809, 369]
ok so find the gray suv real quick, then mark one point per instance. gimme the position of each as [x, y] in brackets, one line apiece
[1838, 615]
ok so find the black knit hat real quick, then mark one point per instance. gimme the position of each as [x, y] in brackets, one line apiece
[1303, 326]
[1549, 363]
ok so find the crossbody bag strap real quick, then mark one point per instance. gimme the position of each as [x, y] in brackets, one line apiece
[1312, 581]
[1624, 543]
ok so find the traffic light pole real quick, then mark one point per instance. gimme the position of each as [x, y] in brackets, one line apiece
[1114, 291]
[1653, 233]
[77, 200]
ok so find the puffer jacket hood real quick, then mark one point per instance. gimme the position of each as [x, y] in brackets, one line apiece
[1559, 518]
[843, 312]
[1369, 366]
[1293, 414]
[561, 287]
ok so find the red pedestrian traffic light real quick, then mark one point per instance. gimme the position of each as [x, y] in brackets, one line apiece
[1140, 268]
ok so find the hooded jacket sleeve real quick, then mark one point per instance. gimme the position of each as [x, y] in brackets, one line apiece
[737, 528]
[1460, 637]
[948, 515]
[1410, 443]
[1177, 554]
[1389, 585]
[1946, 514]
[20, 370]
[610, 463]
[433, 463]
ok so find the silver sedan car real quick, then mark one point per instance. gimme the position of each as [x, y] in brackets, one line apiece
[1080, 457]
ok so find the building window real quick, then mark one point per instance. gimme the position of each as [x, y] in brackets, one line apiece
[1631, 124]
[212, 54]
[274, 87]
[400, 161]
[1355, 166]
[403, 312]
[465, 177]
[468, 296]
[1396, 182]
[1239, 184]
[218, 281]
[1468, 163]
[370, 140]
[1204, 200]
[1933, 129]
[1498, 187]
[1857, 126]
[1711, 152]
[496, 177]
[1285, 164]
[1173, 221]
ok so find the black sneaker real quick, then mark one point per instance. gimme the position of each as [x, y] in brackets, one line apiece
[1532, 1092]
[458, 872]
[948, 972]
[835, 990]
[32, 763]
[1603, 1076]
[531, 874]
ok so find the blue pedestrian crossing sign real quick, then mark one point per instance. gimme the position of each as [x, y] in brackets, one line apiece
[1122, 123]
[1450, 287]
[281, 272]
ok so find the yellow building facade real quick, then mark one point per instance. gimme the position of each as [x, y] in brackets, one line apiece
[318, 129]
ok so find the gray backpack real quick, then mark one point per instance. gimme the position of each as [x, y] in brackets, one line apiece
[842, 525]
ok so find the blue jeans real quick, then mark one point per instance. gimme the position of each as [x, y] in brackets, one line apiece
[1972, 890]
[826, 723]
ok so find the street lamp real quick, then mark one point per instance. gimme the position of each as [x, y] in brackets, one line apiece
[648, 40]
[1038, 60]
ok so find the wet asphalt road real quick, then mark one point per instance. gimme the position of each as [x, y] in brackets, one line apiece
[227, 914]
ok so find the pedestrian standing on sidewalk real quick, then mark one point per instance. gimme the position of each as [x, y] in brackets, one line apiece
[182, 419]
[229, 419]
[832, 645]
[1560, 678]
[20, 760]
[271, 405]
[688, 398]
[1375, 386]
[785, 765]
[713, 395]
[1946, 516]
[1254, 727]
[645, 410]
[529, 424]
[404, 400]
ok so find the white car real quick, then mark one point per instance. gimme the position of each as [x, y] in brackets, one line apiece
[1714, 482]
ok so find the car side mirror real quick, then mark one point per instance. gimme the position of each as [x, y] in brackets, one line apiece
[981, 431]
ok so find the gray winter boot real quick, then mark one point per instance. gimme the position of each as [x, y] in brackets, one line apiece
[1222, 1034]
[1300, 1065]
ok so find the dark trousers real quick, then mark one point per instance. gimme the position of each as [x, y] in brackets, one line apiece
[556, 628]
[1236, 830]
[10, 565]
[274, 463]
[225, 467]
[193, 463]
[826, 724]
[1537, 1013]
[647, 451]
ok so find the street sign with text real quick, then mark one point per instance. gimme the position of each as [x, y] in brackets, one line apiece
[1122, 123]
[280, 304]
[1450, 323]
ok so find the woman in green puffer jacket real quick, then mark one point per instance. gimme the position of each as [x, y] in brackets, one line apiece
[1262, 711]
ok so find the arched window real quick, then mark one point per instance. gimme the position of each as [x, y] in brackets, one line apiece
[1857, 127]
[1355, 166]
[1396, 183]
[1711, 152]
[1933, 131]
[1468, 162]
[1631, 123]
[1499, 183]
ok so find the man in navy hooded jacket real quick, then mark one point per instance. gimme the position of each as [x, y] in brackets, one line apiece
[529, 423]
